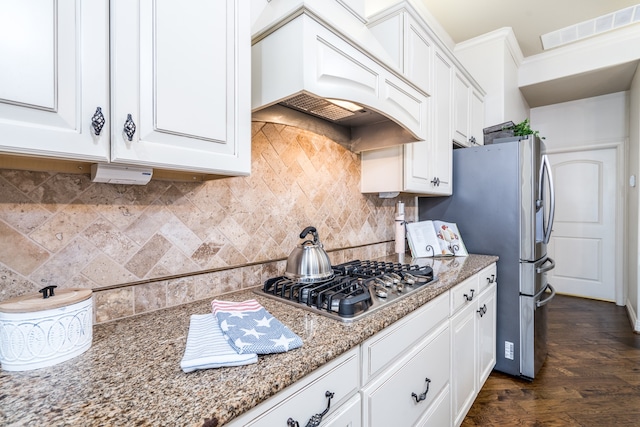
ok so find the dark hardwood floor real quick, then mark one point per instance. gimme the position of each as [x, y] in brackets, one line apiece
[590, 378]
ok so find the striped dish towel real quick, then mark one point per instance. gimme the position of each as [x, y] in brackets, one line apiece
[250, 328]
[208, 348]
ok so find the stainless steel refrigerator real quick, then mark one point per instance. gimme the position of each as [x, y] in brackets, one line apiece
[503, 204]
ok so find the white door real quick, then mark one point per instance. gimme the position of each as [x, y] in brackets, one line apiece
[180, 70]
[53, 77]
[583, 242]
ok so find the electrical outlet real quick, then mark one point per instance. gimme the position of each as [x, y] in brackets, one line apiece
[508, 350]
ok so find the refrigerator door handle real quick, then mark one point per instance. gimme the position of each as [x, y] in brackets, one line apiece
[549, 298]
[546, 167]
[551, 265]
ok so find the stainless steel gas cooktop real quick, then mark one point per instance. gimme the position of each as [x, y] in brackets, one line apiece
[358, 288]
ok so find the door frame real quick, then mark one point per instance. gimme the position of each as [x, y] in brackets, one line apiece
[620, 217]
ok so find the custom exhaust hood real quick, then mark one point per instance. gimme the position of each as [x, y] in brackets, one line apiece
[305, 74]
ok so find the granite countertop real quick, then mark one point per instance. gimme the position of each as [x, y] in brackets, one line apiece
[131, 375]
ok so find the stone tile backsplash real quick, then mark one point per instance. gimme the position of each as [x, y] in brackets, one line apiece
[144, 248]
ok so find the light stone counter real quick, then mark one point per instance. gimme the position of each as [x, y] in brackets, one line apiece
[132, 376]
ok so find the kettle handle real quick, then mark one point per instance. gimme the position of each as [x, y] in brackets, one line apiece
[311, 230]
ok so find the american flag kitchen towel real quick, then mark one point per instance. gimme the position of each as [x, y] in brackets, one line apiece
[208, 348]
[250, 328]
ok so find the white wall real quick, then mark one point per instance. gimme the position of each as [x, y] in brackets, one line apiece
[633, 208]
[585, 122]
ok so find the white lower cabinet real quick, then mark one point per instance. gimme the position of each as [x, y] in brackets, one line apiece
[473, 339]
[413, 389]
[463, 372]
[423, 370]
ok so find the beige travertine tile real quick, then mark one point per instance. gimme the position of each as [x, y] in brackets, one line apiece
[181, 291]
[231, 256]
[176, 262]
[113, 304]
[150, 296]
[25, 181]
[208, 286]
[110, 240]
[148, 256]
[113, 203]
[59, 190]
[180, 236]
[103, 271]
[13, 284]
[18, 252]
[148, 223]
[65, 264]
[63, 227]
[251, 275]
[20, 211]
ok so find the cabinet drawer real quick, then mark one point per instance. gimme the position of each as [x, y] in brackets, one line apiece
[487, 276]
[340, 378]
[464, 293]
[388, 400]
[385, 347]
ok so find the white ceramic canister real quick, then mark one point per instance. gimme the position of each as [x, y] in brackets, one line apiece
[36, 332]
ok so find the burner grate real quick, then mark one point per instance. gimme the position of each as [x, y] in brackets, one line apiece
[353, 290]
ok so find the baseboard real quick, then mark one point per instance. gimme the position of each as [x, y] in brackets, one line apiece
[633, 317]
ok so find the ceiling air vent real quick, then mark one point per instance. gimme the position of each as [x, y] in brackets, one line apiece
[599, 25]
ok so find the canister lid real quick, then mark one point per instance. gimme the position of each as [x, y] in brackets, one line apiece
[48, 298]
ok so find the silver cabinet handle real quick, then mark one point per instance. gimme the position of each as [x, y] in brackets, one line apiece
[129, 127]
[435, 181]
[97, 121]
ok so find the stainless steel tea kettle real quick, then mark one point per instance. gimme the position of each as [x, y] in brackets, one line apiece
[309, 262]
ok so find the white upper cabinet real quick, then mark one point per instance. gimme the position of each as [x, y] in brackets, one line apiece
[408, 45]
[422, 167]
[181, 70]
[468, 120]
[53, 77]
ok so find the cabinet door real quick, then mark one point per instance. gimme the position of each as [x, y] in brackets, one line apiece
[477, 118]
[428, 164]
[463, 368]
[486, 333]
[181, 71]
[53, 76]
[418, 55]
[440, 160]
[461, 89]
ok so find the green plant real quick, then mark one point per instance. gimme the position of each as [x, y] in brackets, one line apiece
[524, 128]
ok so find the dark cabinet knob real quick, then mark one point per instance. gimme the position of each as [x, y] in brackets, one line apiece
[97, 121]
[129, 127]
